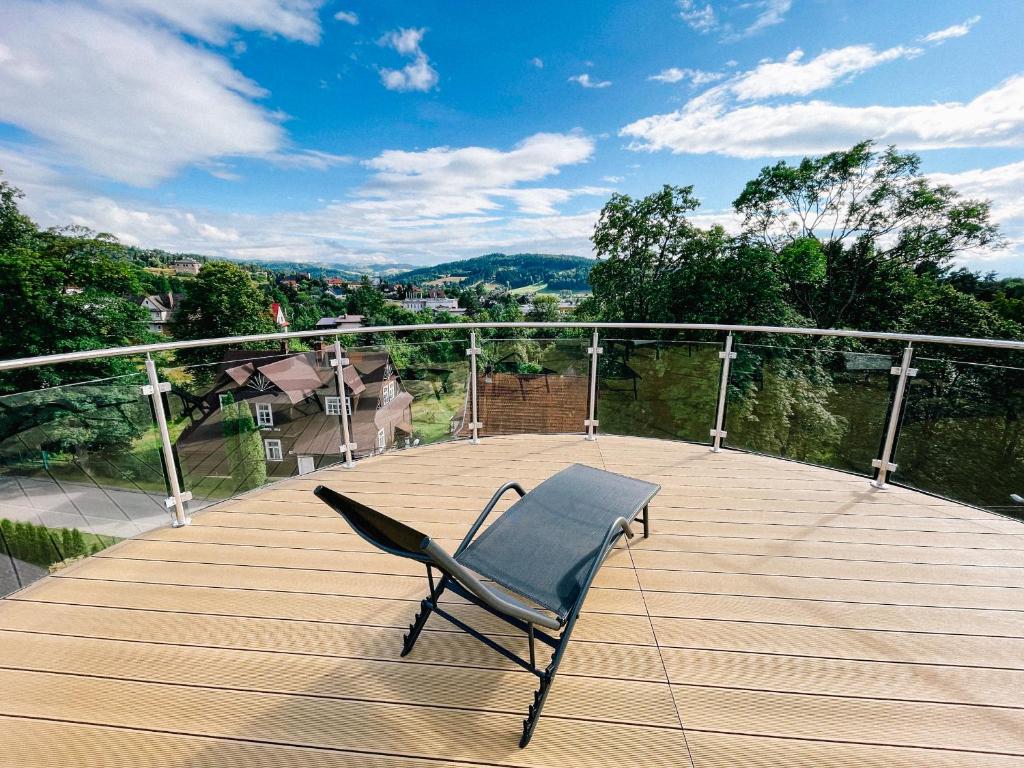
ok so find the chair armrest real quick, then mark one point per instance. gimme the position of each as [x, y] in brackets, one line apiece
[510, 485]
[498, 601]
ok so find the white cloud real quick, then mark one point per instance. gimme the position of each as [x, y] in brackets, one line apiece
[1003, 185]
[418, 75]
[613, 179]
[538, 62]
[957, 30]
[348, 17]
[995, 118]
[587, 82]
[772, 12]
[310, 159]
[416, 206]
[697, 77]
[215, 20]
[795, 77]
[126, 99]
[703, 18]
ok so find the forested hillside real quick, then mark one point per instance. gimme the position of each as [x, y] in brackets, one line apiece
[515, 270]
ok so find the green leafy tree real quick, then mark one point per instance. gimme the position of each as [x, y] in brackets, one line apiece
[844, 225]
[544, 310]
[223, 300]
[243, 445]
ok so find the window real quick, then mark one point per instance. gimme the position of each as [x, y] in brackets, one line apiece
[273, 450]
[264, 415]
[382, 441]
[388, 370]
[225, 399]
[332, 406]
[388, 392]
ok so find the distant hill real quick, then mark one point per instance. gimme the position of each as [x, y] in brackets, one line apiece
[514, 270]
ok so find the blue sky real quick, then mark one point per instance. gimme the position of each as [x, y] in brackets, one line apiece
[365, 131]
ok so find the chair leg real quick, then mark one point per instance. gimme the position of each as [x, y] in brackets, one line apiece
[426, 608]
[541, 694]
[539, 697]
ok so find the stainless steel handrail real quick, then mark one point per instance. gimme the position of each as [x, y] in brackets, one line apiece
[169, 346]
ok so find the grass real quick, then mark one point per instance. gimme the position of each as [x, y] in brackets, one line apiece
[535, 288]
[432, 410]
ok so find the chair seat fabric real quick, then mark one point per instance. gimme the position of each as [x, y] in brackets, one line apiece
[545, 544]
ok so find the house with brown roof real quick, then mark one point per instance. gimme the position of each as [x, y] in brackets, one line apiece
[296, 409]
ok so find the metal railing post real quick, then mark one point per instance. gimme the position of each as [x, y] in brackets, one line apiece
[339, 364]
[591, 422]
[475, 424]
[155, 390]
[718, 433]
[884, 464]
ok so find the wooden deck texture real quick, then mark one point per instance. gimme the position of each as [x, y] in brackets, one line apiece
[779, 615]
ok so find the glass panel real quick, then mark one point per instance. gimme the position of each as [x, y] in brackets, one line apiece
[962, 434]
[662, 389]
[819, 406]
[415, 394]
[533, 386]
[80, 468]
[255, 417]
[252, 417]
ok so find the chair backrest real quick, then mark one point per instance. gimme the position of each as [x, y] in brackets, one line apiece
[378, 529]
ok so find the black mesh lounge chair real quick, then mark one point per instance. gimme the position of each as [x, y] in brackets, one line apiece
[546, 548]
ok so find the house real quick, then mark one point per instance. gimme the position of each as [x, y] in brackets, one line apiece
[186, 266]
[527, 403]
[344, 323]
[161, 308]
[277, 312]
[292, 417]
[434, 305]
[336, 282]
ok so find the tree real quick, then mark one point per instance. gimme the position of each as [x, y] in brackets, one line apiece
[544, 310]
[63, 291]
[15, 226]
[243, 446]
[222, 301]
[638, 243]
[843, 225]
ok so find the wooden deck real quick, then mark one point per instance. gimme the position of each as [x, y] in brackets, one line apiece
[779, 615]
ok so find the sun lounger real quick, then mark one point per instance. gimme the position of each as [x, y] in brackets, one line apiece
[544, 550]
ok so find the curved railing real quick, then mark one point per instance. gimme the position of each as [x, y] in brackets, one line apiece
[189, 423]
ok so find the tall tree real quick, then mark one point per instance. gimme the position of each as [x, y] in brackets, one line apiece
[223, 300]
[844, 225]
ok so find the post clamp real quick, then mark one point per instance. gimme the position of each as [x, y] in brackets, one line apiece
[590, 351]
[897, 371]
[344, 361]
[591, 423]
[718, 433]
[474, 351]
[475, 425]
[170, 502]
[722, 355]
[147, 389]
[889, 466]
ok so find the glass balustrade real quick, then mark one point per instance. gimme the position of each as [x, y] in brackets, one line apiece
[81, 464]
[532, 385]
[962, 434]
[818, 406]
[659, 389]
[80, 468]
